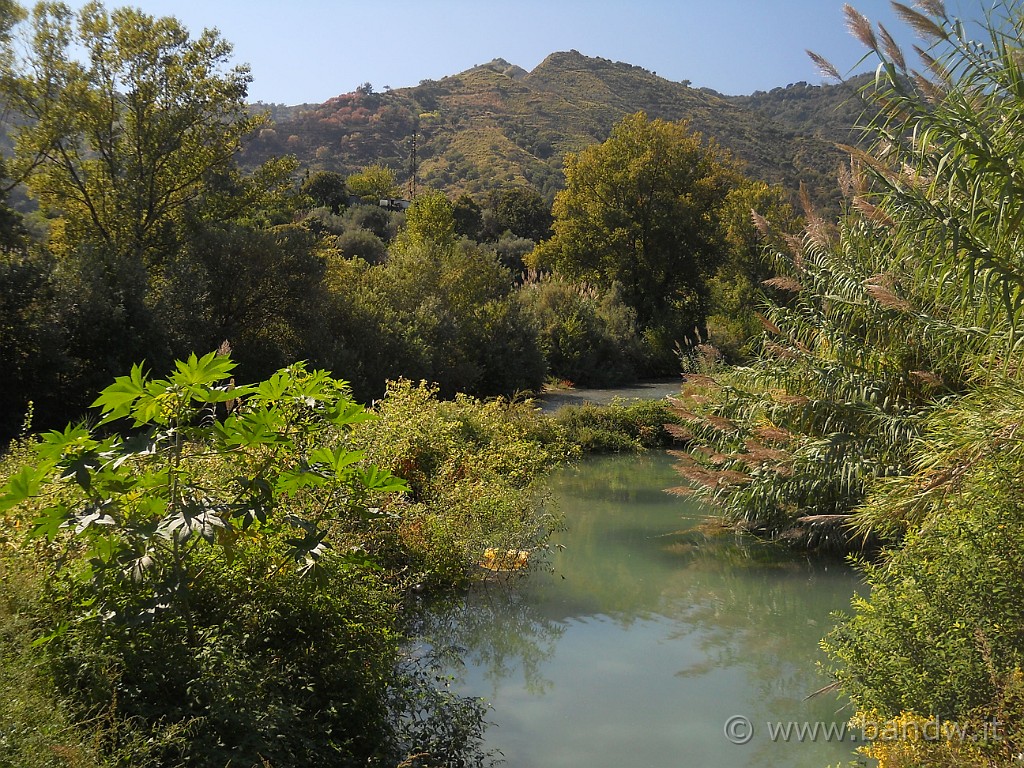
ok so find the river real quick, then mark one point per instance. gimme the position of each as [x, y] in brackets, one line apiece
[647, 636]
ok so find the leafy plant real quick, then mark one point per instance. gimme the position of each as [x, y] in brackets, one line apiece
[205, 463]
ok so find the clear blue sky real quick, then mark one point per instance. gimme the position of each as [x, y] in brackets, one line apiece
[309, 50]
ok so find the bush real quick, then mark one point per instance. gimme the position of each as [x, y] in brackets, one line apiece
[201, 589]
[472, 469]
[443, 312]
[620, 426]
[588, 337]
[940, 636]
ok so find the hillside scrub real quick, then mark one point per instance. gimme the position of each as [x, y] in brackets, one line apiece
[885, 403]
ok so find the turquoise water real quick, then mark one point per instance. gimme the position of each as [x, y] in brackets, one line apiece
[647, 636]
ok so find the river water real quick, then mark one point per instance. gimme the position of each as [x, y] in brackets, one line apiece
[647, 636]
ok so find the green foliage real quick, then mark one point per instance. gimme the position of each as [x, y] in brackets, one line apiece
[939, 635]
[468, 217]
[142, 506]
[362, 244]
[620, 426]
[887, 395]
[443, 312]
[641, 210]
[519, 210]
[219, 583]
[588, 336]
[473, 470]
[327, 189]
[373, 183]
[119, 170]
[430, 222]
[738, 285]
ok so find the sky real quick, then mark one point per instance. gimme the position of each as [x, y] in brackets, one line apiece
[306, 51]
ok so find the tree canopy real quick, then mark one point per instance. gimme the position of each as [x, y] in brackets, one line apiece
[641, 209]
[126, 121]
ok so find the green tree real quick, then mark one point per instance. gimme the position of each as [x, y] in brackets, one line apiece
[740, 282]
[588, 336]
[519, 210]
[641, 209]
[442, 310]
[326, 189]
[122, 144]
[468, 217]
[373, 183]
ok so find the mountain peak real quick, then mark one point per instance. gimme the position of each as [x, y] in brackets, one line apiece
[503, 67]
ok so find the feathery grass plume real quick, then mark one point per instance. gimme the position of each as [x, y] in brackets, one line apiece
[681, 490]
[710, 456]
[887, 299]
[761, 223]
[817, 230]
[860, 27]
[756, 451]
[720, 423]
[938, 70]
[796, 250]
[774, 434]
[920, 23]
[779, 351]
[700, 379]
[927, 377]
[935, 7]
[825, 67]
[872, 212]
[784, 283]
[683, 458]
[892, 50]
[787, 399]
[845, 178]
[769, 326]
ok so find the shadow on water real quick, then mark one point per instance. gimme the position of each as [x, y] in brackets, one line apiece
[646, 635]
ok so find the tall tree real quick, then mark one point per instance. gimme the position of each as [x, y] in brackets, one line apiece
[127, 119]
[641, 209]
[125, 130]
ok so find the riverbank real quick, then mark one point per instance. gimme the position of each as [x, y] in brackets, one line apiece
[553, 399]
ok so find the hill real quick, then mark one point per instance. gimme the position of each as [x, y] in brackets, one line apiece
[497, 124]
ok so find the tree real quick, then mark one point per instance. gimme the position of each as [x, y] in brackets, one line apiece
[468, 217]
[121, 144]
[373, 183]
[519, 210]
[641, 210]
[326, 189]
[430, 221]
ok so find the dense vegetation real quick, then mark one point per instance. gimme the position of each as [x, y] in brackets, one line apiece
[204, 571]
[885, 402]
[150, 243]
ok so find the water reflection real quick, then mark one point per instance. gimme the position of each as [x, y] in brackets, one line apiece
[647, 635]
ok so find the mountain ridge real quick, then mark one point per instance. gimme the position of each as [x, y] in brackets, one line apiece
[497, 124]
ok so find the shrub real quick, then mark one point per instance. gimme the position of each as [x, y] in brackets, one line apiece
[620, 426]
[472, 469]
[205, 594]
[588, 336]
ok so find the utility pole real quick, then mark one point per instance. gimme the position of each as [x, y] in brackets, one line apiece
[412, 164]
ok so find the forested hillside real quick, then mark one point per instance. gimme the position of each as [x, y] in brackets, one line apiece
[497, 125]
